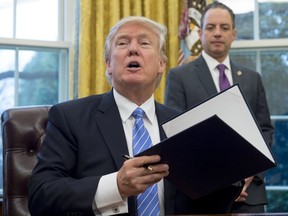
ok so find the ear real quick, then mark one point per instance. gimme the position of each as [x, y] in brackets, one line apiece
[108, 68]
[162, 66]
[234, 34]
[199, 32]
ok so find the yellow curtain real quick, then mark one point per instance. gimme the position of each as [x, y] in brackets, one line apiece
[96, 19]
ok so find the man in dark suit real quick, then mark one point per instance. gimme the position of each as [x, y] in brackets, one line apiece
[194, 82]
[80, 169]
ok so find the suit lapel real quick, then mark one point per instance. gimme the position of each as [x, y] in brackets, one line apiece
[113, 133]
[204, 75]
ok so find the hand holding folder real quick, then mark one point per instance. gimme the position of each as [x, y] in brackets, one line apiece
[213, 145]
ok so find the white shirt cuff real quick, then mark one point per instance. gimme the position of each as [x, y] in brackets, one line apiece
[108, 200]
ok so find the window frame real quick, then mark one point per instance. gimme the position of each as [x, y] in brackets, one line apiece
[66, 18]
[66, 15]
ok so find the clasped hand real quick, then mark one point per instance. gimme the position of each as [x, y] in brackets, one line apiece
[243, 195]
[134, 177]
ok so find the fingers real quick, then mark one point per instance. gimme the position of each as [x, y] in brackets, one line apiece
[146, 165]
[242, 197]
[134, 176]
[146, 160]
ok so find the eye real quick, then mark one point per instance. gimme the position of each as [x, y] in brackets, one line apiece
[209, 27]
[122, 43]
[145, 43]
[225, 28]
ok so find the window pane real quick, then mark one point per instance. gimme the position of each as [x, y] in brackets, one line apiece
[244, 16]
[7, 81]
[273, 19]
[277, 178]
[245, 58]
[6, 90]
[6, 18]
[38, 81]
[277, 200]
[274, 69]
[245, 26]
[37, 19]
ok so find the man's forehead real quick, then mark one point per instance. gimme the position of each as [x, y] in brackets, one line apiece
[129, 34]
[129, 29]
[216, 15]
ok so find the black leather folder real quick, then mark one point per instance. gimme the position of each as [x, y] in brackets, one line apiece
[211, 155]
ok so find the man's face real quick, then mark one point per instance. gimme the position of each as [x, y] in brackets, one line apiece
[135, 58]
[217, 33]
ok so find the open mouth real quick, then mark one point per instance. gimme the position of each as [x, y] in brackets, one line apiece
[134, 65]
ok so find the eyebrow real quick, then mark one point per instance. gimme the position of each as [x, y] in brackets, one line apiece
[140, 35]
[222, 24]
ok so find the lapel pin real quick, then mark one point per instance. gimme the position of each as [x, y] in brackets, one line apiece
[239, 73]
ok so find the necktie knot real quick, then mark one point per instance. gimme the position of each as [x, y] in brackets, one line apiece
[138, 113]
[221, 68]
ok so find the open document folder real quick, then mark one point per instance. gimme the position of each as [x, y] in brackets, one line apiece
[213, 145]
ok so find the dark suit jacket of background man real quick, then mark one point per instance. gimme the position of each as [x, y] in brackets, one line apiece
[192, 83]
[92, 142]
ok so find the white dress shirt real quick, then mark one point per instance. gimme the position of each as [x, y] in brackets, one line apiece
[107, 198]
[212, 65]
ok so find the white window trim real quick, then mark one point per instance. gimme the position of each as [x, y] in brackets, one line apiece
[264, 43]
[35, 43]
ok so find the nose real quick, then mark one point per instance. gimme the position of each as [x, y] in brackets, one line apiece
[133, 52]
[217, 32]
[133, 49]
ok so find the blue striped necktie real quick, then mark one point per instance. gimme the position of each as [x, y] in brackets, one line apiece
[148, 201]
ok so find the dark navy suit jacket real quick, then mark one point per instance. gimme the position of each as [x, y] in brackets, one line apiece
[85, 140]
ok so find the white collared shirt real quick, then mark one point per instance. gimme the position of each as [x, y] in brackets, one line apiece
[212, 65]
[107, 197]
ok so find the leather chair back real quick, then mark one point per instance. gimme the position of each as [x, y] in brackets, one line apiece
[23, 131]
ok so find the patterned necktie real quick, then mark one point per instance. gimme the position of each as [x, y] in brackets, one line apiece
[148, 201]
[223, 80]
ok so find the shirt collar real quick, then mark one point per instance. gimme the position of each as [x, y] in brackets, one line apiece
[212, 63]
[126, 107]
